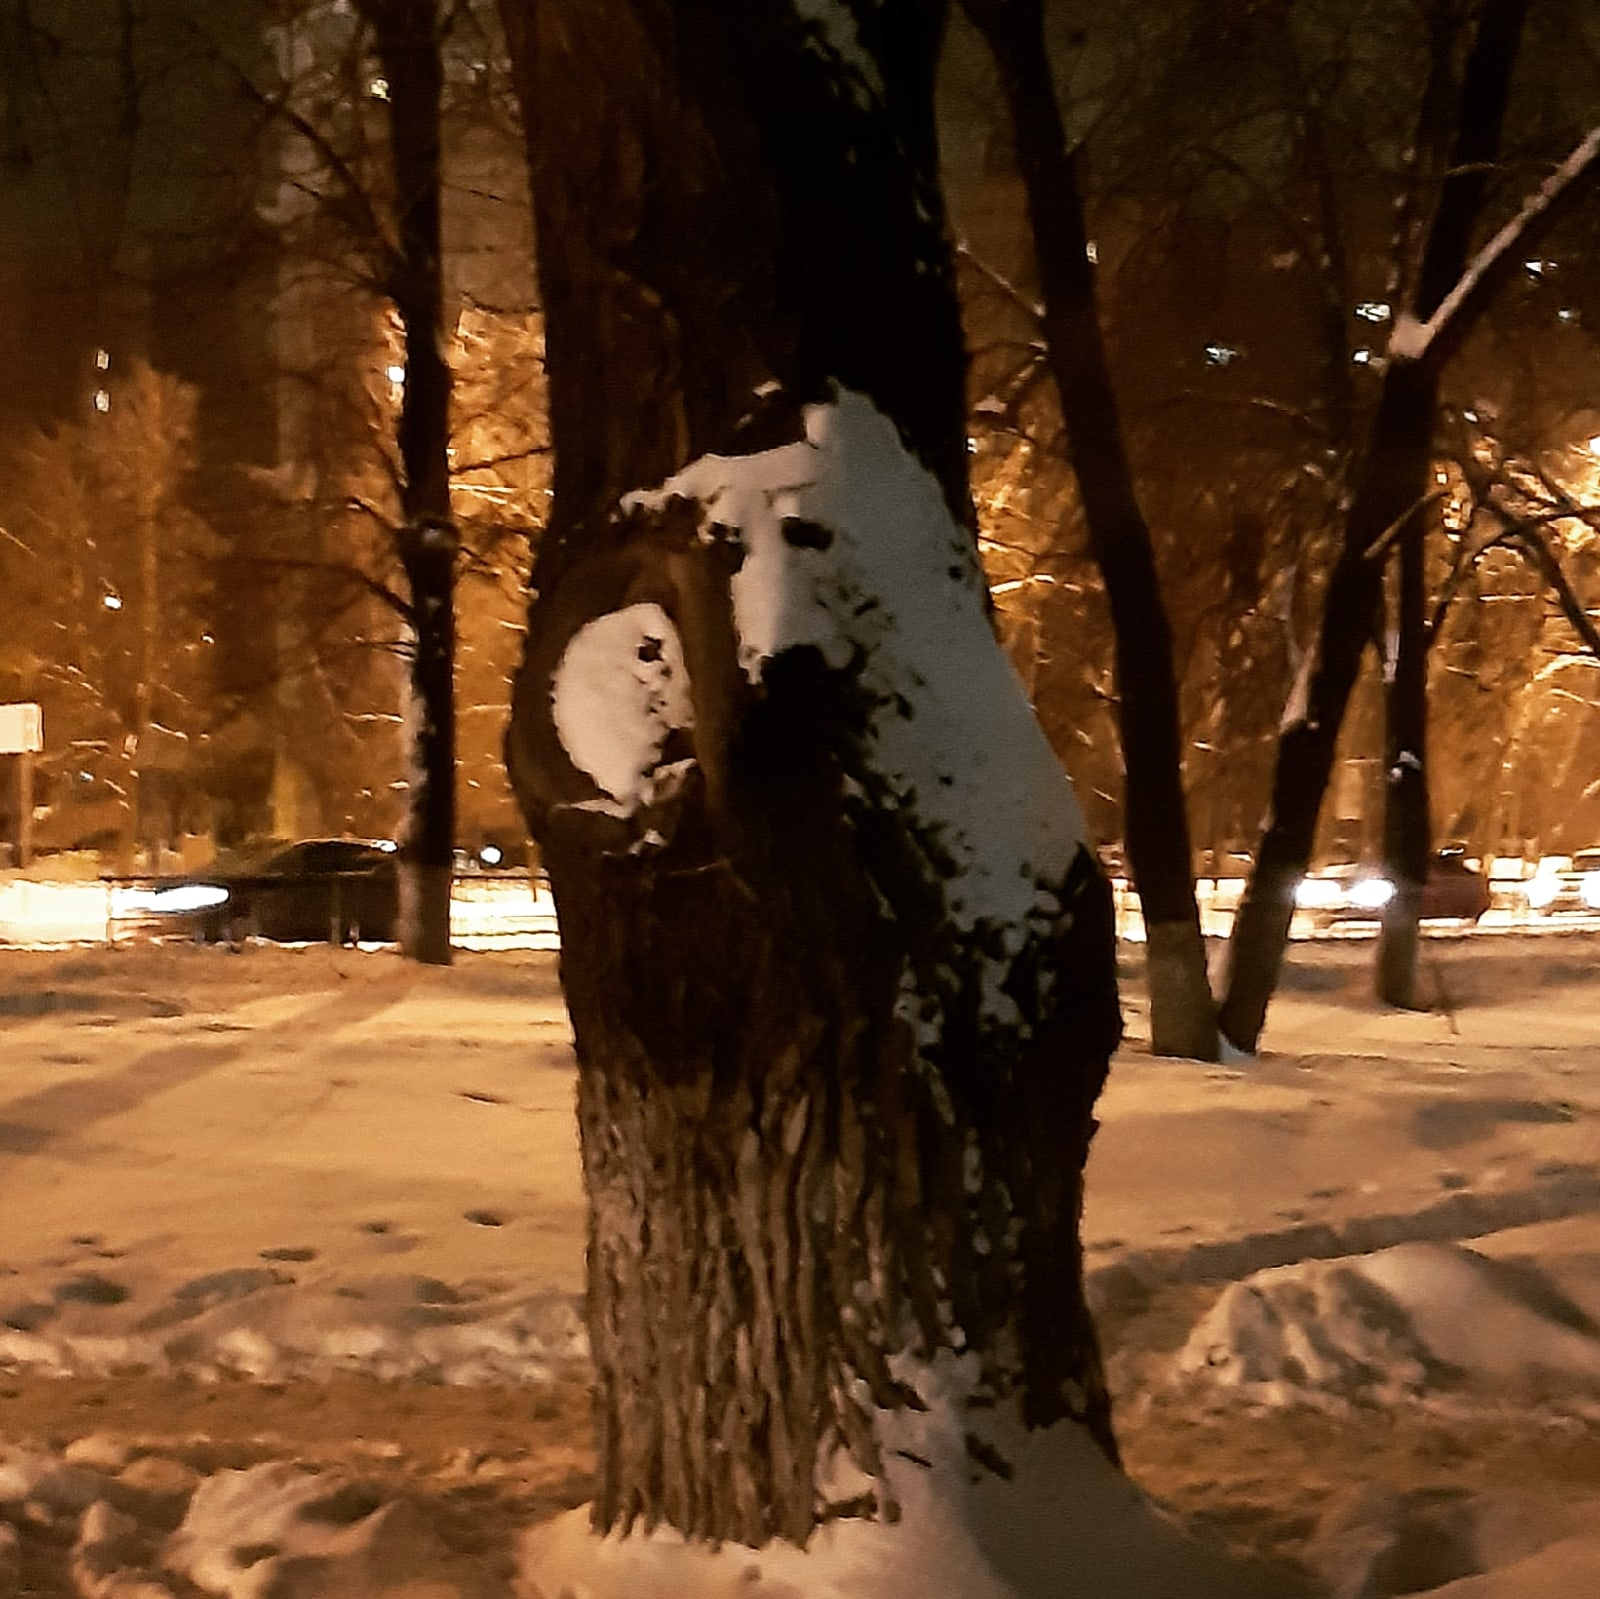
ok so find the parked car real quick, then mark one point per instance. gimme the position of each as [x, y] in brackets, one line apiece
[1456, 890]
[338, 889]
[1566, 885]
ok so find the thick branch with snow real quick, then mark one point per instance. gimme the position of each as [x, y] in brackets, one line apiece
[1435, 339]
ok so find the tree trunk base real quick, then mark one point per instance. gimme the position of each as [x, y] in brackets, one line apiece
[1399, 942]
[1066, 1520]
[1183, 1015]
[425, 914]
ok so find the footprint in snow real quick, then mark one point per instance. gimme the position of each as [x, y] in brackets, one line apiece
[90, 1288]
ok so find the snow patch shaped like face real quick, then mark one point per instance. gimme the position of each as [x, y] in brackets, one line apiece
[851, 549]
[618, 691]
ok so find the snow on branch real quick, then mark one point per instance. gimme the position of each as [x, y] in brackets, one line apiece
[1413, 340]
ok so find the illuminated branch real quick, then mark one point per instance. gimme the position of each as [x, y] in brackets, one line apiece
[1459, 311]
[998, 280]
[1543, 557]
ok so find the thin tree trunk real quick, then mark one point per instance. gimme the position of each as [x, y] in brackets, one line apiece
[1407, 841]
[1182, 1012]
[408, 40]
[834, 1115]
[1407, 825]
[137, 746]
[1392, 487]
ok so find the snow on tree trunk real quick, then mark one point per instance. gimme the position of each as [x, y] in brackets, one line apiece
[839, 970]
[839, 965]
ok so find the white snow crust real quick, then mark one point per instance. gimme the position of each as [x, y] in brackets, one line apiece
[275, 1327]
[961, 1533]
[306, 1532]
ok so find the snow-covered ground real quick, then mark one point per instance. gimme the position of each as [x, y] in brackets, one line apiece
[290, 1242]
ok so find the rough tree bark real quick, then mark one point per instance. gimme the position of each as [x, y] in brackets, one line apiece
[1183, 1017]
[838, 963]
[407, 35]
[1390, 494]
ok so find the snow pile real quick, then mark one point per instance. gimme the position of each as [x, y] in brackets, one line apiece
[962, 1532]
[263, 1325]
[278, 1529]
[262, 1533]
[1404, 1322]
[1372, 1542]
[29, 1476]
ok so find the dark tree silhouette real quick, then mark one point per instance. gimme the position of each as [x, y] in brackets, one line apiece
[1450, 293]
[407, 37]
[1156, 822]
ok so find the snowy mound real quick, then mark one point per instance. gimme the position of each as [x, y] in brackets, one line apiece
[1407, 1321]
[1060, 1520]
[280, 1529]
[263, 1324]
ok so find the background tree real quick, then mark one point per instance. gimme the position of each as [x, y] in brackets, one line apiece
[1241, 251]
[407, 36]
[390, 125]
[1408, 843]
[230, 255]
[106, 568]
[1156, 824]
[1396, 480]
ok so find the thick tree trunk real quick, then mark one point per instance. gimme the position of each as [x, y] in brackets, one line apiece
[838, 963]
[408, 42]
[1182, 1013]
[1393, 487]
